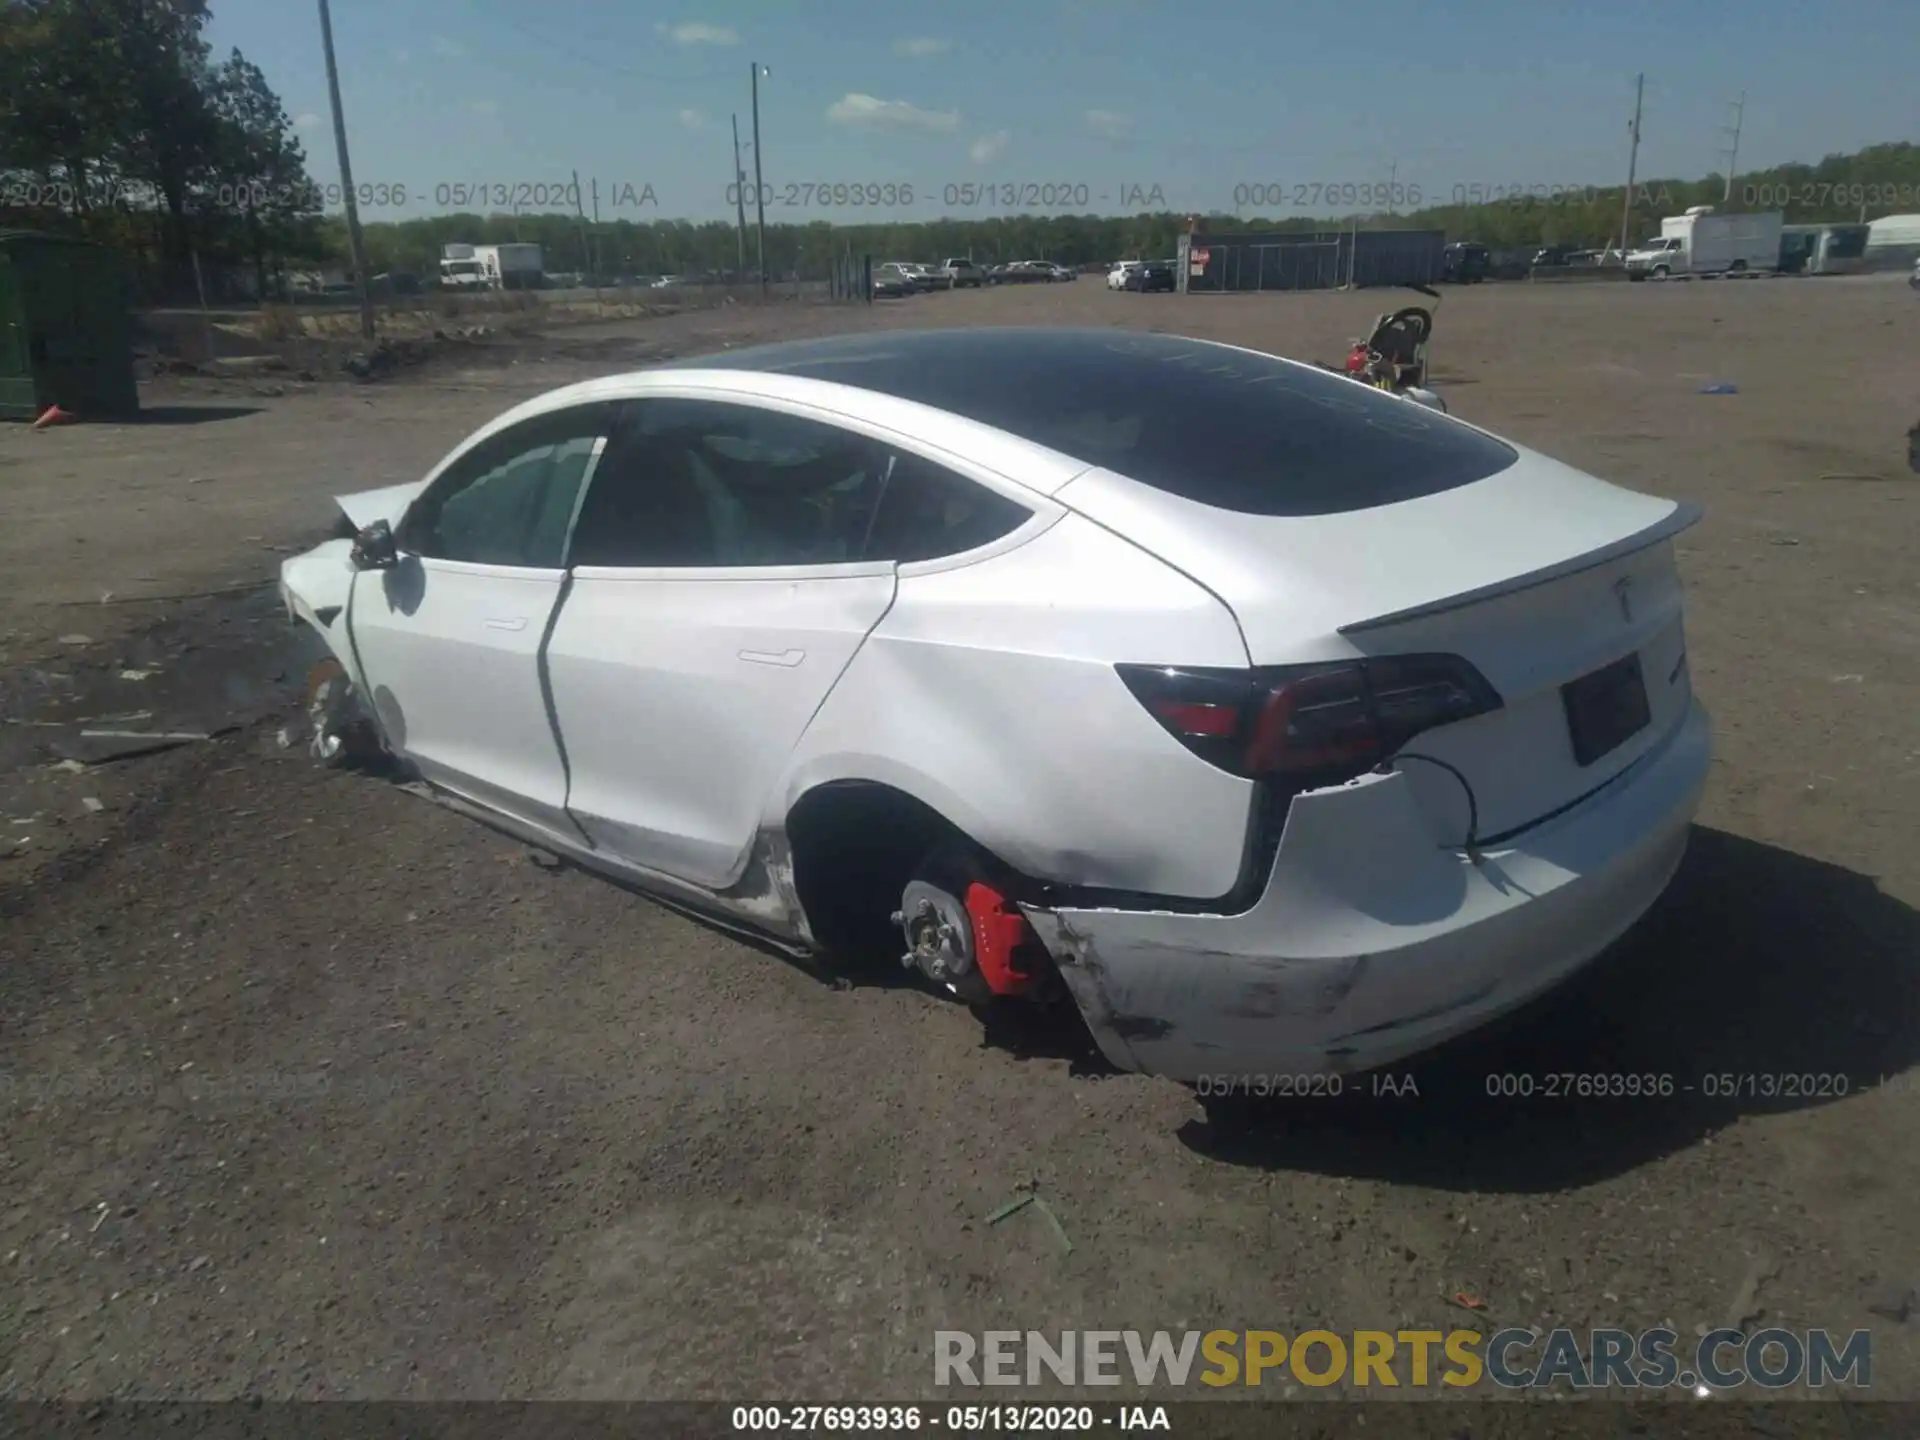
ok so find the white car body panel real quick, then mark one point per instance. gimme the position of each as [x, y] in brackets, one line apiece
[982, 676]
[1295, 581]
[1320, 588]
[315, 587]
[453, 655]
[683, 692]
[661, 725]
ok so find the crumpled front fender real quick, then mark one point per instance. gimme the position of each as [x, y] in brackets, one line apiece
[315, 588]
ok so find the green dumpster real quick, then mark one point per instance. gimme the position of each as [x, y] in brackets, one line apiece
[65, 336]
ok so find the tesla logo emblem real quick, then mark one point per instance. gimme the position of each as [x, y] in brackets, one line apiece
[1623, 592]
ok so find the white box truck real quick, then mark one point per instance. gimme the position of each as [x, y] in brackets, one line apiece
[492, 267]
[1893, 243]
[1703, 243]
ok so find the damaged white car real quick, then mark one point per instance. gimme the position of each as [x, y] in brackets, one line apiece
[1286, 726]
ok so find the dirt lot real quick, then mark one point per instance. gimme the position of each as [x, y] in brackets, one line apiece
[314, 1090]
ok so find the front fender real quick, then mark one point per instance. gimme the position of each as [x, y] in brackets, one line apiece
[317, 588]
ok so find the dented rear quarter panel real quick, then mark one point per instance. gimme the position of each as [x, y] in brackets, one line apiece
[989, 693]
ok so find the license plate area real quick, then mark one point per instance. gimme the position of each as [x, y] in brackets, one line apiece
[1606, 708]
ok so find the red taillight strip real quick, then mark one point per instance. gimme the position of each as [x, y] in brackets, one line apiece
[1268, 749]
[1194, 718]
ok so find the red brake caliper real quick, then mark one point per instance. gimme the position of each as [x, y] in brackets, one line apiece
[1000, 932]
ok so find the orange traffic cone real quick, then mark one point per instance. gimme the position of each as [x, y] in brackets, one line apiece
[54, 415]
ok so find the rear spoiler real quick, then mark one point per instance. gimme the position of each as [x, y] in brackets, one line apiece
[1683, 517]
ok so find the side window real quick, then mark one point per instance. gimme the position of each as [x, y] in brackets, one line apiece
[705, 483]
[928, 512]
[510, 502]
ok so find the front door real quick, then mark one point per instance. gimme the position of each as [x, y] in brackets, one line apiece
[719, 590]
[449, 639]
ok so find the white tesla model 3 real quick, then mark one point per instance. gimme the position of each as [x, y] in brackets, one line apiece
[1286, 726]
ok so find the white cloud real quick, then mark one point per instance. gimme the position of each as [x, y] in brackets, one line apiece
[306, 120]
[923, 45]
[692, 32]
[857, 109]
[1110, 123]
[692, 119]
[485, 107]
[447, 49]
[989, 148]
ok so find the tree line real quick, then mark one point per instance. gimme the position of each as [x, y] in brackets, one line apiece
[118, 125]
[1882, 179]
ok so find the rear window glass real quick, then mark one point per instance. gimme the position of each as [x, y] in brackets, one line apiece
[1224, 427]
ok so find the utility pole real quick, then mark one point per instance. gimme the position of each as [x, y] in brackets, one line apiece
[596, 231]
[739, 198]
[759, 188]
[586, 254]
[1633, 164]
[1732, 151]
[356, 241]
[1393, 174]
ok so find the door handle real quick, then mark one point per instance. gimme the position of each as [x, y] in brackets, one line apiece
[785, 659]
[507, 622]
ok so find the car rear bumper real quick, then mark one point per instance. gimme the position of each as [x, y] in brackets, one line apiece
[1370, 943]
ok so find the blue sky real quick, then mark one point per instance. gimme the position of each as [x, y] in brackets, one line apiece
[1106, 98]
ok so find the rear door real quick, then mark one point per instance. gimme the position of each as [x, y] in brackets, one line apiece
[449, 638]
[718, 591]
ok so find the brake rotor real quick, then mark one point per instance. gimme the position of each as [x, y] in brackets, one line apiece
[939, 936]
[323, 701]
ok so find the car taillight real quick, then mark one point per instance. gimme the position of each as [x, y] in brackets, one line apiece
[1310, 725]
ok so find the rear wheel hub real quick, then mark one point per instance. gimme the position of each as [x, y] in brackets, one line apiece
[939, 936]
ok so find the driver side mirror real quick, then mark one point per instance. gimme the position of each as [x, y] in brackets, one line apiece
[374, 548]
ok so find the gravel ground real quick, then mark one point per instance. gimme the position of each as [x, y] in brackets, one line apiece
[314, 1090]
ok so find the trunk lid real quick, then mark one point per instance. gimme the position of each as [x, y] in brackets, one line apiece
[1538, 576]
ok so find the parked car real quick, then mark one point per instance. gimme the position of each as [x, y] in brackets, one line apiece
[1061, 272]
[915, 275]
[1029, 272]
[891, 282]
[1551, 255]
[962, 273]
[1117, 276]
[1913, 277]
[1465, 263]
[1046, 653]
[396, 282]
[1151, 276]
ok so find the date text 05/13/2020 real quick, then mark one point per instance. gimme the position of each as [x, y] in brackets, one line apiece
[565, 194]
[954, 1419]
